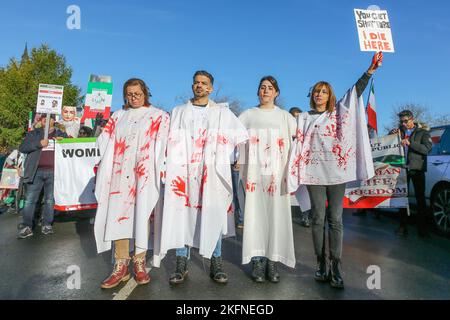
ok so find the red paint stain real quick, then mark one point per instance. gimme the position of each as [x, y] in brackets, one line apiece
[120, 147]
[154, 127]
[201, 140]
[272, 187]
[254, 140]
[110, 127]
[222, 139]
[179, 188]
[280, 142]
[250, 186]
[119, 220]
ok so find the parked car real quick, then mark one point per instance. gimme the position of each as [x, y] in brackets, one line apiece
[437, 189]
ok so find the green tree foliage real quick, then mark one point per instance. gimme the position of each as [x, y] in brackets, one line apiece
[19, 83]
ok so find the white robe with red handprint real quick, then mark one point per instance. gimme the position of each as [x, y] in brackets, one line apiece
[198, 192]
[332, 148]
[132, 151]
[267, 215]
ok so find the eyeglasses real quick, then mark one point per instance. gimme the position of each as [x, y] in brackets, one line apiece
[131, 95]
[404, 120]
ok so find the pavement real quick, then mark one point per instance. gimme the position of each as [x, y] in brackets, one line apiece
[48, 266]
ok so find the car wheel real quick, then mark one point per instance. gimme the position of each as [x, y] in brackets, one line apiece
[440, 204]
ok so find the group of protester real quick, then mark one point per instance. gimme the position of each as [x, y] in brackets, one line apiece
[37, 170]
[164, 181]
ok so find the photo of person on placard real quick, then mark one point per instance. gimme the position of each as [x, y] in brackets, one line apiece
[70, 121]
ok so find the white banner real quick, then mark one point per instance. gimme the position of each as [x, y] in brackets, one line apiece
[49, 99]
[388, 188]
[374, 30]
[74, 174]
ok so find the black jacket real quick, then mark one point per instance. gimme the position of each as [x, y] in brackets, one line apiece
[31, 146]
[418, 149]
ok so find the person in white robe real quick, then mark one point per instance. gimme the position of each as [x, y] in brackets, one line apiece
[332, 147]
[132, 152]
[268, 236]
[198, 194]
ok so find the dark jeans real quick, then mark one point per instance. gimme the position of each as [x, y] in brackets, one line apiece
[418, 180]
[318, 196]
[44, 179]
[238, 216]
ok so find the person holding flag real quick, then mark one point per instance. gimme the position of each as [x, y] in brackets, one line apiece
[331, 148]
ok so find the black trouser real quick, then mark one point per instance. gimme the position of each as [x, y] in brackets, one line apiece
[333, 215]
[418, 180]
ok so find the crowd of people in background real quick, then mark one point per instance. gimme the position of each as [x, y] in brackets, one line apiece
[205, 155]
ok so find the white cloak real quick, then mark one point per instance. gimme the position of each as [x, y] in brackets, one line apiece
[198, 192]
[267, 214]
[332, 148]
[132, 153]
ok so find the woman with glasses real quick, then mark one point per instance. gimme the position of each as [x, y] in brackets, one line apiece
[132, 150]
[268, 236]
[332, 148]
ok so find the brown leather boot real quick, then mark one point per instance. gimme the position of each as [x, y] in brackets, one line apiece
[120, 273]
[140, 274]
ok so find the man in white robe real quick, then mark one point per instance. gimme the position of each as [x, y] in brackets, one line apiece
[198, 193]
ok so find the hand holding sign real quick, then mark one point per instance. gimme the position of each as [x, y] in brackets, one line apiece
[377, 61]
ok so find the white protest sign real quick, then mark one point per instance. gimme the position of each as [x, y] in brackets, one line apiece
[49, 99]
[374, 30]
[74, 174]
[10, 179]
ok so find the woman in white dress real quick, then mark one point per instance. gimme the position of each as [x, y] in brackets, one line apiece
[132, 150]
[268, 234]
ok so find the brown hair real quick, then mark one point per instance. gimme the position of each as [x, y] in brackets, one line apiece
[144, 88]
[331, 97]
[272, 81]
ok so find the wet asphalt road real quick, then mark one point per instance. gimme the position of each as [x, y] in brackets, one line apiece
[411, 268]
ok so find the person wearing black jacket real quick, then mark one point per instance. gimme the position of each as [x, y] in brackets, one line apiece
[38, 174]
[417, 143]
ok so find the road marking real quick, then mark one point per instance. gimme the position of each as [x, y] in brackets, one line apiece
[127, 290]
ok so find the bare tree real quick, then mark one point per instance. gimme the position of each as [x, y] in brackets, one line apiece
[421, 113]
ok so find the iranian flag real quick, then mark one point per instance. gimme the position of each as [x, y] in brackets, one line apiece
[98, 100]
[372, 111]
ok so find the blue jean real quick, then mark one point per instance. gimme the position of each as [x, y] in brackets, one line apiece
[238, 215]
[185, 252]
[44, 179]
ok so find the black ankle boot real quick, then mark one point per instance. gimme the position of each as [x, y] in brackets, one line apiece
[216, 271]
[180, 272]
[335, 274]
[259, 269]
[321, 271]
[272, 271]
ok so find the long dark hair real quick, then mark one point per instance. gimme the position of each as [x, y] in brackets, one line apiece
[273, 82]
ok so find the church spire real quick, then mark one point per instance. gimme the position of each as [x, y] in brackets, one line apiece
[25, 56]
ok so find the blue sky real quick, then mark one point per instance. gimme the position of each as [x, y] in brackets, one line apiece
[298, 42]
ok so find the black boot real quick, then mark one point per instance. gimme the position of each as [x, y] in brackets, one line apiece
[216, 271]
[180, 272]
[335, 274]
[258, 272]
[321, 271]
[272, 272]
